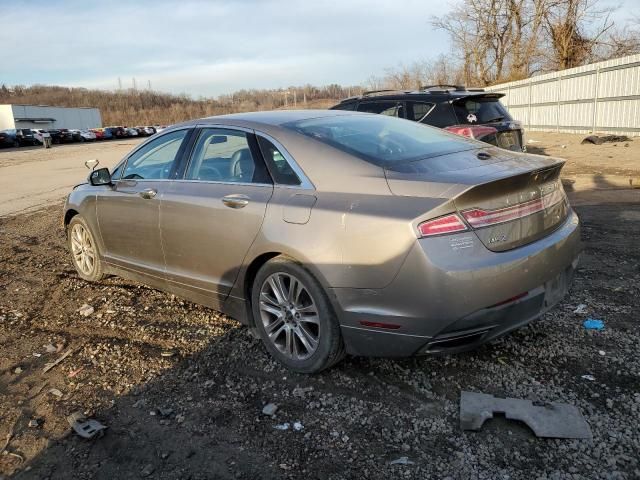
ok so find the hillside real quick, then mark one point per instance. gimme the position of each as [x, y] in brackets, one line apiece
[146, 107]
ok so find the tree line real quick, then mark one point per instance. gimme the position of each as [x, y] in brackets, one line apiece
[147, 107]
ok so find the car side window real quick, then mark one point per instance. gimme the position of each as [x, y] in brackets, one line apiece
[419, 110]
[390, 108]
[224, 155]
[154, 160]
[441, 116]
[279, 167]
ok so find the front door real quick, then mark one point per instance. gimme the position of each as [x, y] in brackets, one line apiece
[210, 218]
[129, 212]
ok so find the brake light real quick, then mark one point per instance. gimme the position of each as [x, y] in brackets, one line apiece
[475, 131]
[447, 224]
[479, 218]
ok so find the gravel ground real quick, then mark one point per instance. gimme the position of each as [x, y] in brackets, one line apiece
[182, 388]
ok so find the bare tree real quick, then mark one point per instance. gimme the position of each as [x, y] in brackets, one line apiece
[499, 40]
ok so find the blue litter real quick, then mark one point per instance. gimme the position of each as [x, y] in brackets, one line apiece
[593, 324]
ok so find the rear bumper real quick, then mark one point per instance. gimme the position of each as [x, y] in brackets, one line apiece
[449, 299]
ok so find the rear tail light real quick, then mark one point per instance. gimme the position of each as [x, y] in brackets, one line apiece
[475, 131]
[447, 224]
[479, 218]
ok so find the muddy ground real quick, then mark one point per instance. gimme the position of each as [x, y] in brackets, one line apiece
[181, 387]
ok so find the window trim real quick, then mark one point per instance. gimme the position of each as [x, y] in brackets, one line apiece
[305, 182]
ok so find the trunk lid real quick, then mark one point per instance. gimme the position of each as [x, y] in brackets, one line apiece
[507, 199]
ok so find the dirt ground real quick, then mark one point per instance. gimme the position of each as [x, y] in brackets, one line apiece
[34, 177]
[181, 388]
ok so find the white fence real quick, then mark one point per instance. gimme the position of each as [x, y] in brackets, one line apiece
[600, 97]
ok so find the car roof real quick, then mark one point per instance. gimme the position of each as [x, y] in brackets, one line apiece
[435, 93]
[268, 118]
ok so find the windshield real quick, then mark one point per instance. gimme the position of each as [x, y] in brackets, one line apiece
[480, 110]
[380, 139]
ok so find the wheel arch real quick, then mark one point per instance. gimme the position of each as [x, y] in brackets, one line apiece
[68, 215]
[257, 263]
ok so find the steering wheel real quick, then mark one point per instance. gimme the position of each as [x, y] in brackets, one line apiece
[133, 176]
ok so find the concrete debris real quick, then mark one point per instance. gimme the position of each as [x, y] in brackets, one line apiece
[270, 409]
[147, 470]
[86, 310]
[553, 420]
[297, 426]
[282, 426]
[56, 393]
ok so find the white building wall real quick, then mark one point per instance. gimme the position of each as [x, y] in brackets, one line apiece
[6, 117]
[79, 118]
[600, 97]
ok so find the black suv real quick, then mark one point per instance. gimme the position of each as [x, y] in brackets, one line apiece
[466, 111]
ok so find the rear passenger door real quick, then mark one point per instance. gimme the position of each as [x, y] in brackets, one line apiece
[392, 108]
[210, 217]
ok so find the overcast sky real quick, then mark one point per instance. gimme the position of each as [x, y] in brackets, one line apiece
[213, 47]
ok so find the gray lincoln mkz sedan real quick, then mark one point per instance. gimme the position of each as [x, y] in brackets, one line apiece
[334, 232]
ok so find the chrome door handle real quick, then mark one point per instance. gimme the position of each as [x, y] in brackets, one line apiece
[236, 201]
[148, 193]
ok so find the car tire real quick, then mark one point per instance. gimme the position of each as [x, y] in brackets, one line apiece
[300, 330]
[84, 250]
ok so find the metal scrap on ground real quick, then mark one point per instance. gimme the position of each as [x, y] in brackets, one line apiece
[553, 420]
[86, 428]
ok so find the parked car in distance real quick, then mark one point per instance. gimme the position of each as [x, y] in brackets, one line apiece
[88, 135]
[425, 242]
[470, 112]
[37, 134]
[8, 138]
[98, 132]
[57, 136]
[132, 132]
[26, 137]
[66, 136]
[119, 132]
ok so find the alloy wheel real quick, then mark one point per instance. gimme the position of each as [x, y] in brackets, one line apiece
[289, 315]
[84, 253]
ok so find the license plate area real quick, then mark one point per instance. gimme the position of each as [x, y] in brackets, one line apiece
[555, 289]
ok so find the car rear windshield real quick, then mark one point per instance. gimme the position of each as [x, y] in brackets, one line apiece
[380, 139]
[480, 110]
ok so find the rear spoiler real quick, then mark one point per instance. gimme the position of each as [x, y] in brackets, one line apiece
[478, 95]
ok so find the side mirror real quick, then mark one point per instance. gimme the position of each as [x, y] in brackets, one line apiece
[100, 177]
